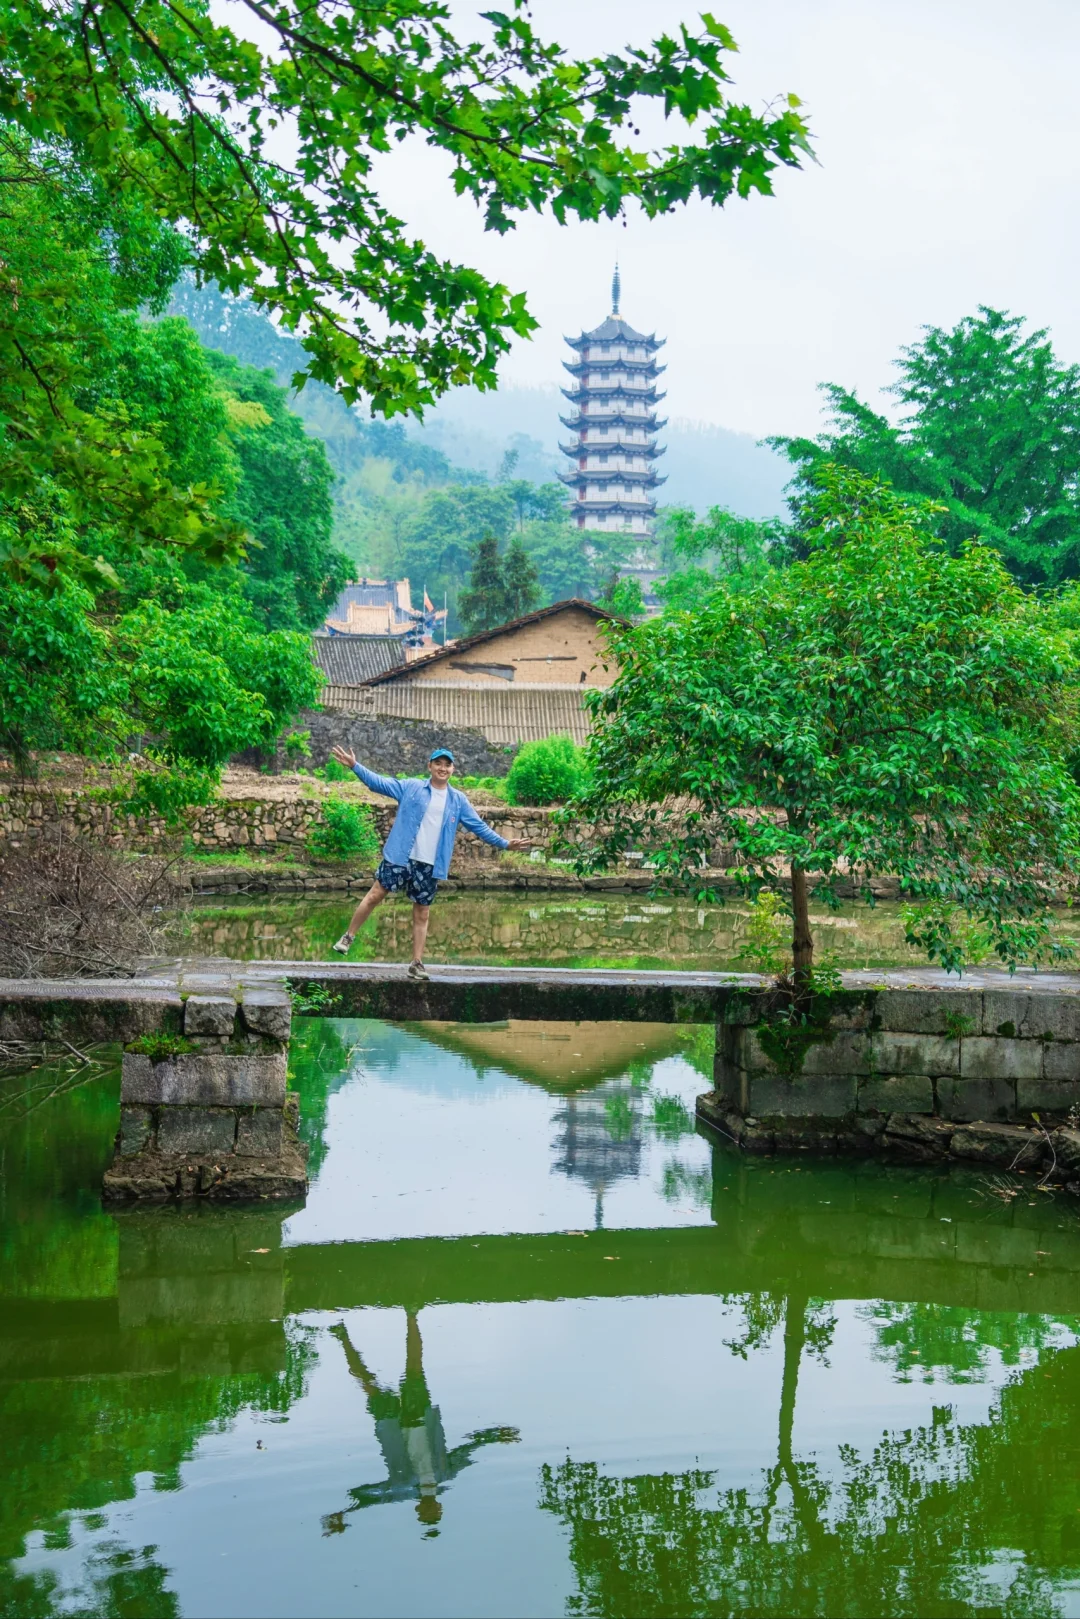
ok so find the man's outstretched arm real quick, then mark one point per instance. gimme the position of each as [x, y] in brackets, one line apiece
[388, 786]
[479, 828]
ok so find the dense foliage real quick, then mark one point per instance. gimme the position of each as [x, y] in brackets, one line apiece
[125, 614]
[880, 708]
[550, 771]
[164, 100]
[500, 588]
[345, 832]
[989, 429]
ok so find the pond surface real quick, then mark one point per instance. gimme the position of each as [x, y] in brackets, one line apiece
[593, 930]
[534, 1346]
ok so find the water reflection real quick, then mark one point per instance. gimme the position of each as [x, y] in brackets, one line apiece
[538, 929]
[409, 1429]
[798, 1388]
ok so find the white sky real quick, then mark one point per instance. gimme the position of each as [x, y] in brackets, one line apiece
[947, 136]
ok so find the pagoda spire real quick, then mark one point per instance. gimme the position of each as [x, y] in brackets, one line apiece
[616, 289]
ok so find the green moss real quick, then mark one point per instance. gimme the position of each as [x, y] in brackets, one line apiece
[787, 1040]
[159, 1046]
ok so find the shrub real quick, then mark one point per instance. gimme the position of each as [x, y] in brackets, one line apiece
[546, 772]
[332, 771]
[346, 832]
[296, 748]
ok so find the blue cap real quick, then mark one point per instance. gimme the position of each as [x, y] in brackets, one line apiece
[441, 753]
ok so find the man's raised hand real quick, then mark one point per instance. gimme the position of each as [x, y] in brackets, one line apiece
[345, 756]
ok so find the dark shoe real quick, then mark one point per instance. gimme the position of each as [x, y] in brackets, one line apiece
[419, 972]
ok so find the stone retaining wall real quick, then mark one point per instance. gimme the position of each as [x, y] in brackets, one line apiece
[394, 746]
[989, 1074]
[230, 824]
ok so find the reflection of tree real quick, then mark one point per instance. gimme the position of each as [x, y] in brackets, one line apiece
[938, 1520]
[75, 1444]
[947, 1344]
[115, 1580]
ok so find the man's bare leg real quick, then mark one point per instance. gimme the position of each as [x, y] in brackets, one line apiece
[421, 916]
[374, 896]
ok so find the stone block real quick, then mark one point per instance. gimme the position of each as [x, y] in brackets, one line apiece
[196, 1130]
[848, 1052]
[908, 1093]
[914, 1054]
[930, 1011]
[1032, 1014]
[919, 1130]
[1006, 1145]
[260, 1134]
[998, 1057]
[963, 1099]
[1061, 1063]
[1055, 1097]
[210, 1014]
[805, 1096]
[268, 1012]
[136, 1125]
[227, 1081]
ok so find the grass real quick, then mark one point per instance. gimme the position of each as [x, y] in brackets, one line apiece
[248, 860]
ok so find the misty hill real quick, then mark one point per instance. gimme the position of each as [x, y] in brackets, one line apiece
[704, 465]
[467, 436]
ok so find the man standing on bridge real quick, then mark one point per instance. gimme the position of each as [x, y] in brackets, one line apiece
[421, 843]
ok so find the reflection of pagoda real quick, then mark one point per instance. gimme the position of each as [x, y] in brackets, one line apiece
[595, 1148]
[614, 425]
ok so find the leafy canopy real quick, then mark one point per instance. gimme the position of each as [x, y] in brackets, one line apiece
[500, 588]
[262, 151]
[697, 550]
[989, 429]
[882, 708]
[79, 457]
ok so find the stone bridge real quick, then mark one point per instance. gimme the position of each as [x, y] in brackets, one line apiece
[909, 1065]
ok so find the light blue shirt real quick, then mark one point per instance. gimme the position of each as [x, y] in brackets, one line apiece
[414, 796]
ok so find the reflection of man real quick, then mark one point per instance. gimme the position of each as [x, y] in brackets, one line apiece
[410, 1434]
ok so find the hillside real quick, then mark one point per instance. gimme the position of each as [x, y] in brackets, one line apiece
[468, 435]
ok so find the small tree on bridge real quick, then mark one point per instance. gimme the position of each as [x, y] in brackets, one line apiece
[880, 709]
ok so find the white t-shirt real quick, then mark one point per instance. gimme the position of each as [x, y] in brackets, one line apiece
[427, 838]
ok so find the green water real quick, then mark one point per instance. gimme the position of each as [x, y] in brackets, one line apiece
[598, 930]
[534, 1346]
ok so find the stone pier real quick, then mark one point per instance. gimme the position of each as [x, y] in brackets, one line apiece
[206, 1113]
[987, 1071]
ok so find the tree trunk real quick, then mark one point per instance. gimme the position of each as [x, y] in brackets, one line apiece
[802, 939]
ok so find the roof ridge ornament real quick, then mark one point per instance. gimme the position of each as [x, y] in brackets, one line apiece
[616, 289]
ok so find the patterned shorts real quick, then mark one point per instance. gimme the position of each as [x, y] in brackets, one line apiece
[417, 879]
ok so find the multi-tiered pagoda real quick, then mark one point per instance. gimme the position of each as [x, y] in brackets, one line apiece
[614, 425]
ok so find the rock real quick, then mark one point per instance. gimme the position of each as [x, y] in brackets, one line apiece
[918, 1136]
[267, 1011]
[1067, 1148]
[196, 1130]
[209, 1014]
[136, 1124]
[260, 1134]
[1007, 1145]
